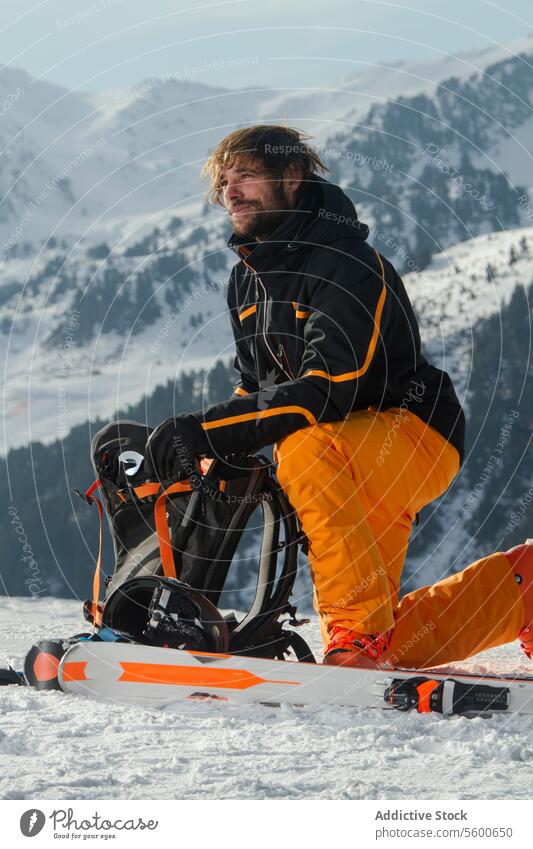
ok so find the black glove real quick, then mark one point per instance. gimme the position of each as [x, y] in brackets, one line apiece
[173, 448]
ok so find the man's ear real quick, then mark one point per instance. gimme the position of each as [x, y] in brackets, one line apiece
[292, 179]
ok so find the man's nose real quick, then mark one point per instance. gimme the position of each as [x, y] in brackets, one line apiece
[232, 189]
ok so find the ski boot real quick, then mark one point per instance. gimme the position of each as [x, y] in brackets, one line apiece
[349, 648]
[521, 559]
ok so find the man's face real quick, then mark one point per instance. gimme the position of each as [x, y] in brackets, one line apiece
[256, 200]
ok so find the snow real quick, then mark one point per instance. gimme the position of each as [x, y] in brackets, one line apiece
[55, 746]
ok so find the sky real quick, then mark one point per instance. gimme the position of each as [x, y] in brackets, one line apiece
[102, 44]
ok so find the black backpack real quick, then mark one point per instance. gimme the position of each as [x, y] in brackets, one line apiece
[189, 531]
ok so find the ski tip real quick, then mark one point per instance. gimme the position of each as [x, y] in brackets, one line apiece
[41, 664]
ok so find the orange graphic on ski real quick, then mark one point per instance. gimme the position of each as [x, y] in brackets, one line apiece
[195, 676]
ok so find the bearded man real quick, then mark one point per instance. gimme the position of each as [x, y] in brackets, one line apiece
[366, 431]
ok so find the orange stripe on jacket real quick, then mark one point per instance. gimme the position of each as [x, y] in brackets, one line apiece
[300, 313]
[245, 313]
[240, 391]
[259, 414]
[351, 375]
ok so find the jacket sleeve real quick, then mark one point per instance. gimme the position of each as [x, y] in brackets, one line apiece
[243, 362]
[342, 334]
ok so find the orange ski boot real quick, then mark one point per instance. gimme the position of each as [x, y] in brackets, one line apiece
[349, 648]
[521, 558]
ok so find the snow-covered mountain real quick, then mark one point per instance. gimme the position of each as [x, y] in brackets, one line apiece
[89, 334]
[92, 333]
[92, 165]
[463, 285]
[112, 267]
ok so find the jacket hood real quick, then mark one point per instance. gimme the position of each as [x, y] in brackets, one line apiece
[324, 214]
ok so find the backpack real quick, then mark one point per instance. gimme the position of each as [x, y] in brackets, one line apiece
[188, 531]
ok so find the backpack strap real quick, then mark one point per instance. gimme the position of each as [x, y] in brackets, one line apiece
[90, 498]
[144, 490]
[161, 526]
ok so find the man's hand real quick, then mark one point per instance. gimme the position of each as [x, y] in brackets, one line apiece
[173, 447]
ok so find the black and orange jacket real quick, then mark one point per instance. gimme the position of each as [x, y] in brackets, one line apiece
[323, 326]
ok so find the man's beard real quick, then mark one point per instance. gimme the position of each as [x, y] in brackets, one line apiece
[259, 222]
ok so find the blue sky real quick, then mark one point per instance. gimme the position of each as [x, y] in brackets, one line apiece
[98, 44]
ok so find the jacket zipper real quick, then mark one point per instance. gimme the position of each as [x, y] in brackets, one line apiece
[277, 359]
[282, 354]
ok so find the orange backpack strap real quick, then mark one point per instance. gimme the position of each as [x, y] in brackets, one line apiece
[146, 489]
[142, 492]
[161, 526]
[95, 610]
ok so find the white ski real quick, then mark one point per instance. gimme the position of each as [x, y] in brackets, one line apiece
[132, 673]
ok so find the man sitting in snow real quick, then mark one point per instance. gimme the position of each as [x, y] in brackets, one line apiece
[366, 431]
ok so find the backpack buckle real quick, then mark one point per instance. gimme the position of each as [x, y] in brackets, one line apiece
[84, 497]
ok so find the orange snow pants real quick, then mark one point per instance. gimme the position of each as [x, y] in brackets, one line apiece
[356, 486]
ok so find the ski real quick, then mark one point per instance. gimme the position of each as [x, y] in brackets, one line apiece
[137, 673]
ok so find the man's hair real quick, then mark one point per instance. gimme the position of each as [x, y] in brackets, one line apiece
[271, 145]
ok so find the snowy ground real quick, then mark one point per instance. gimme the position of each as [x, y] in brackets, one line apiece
[54, 746]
